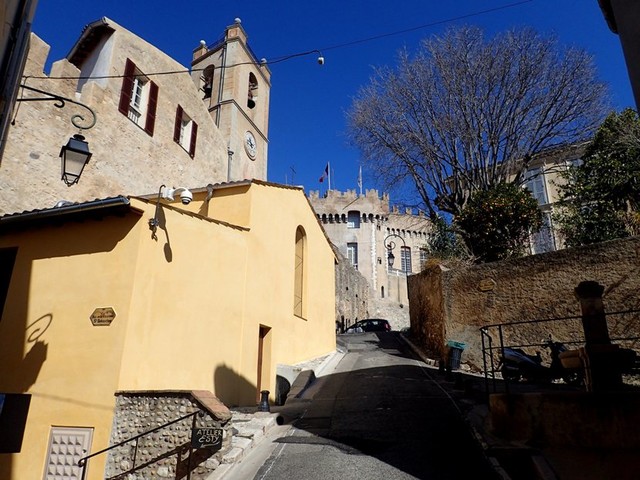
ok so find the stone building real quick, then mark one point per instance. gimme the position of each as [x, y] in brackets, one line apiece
[363, 227]
[16, 17]
[151, 128]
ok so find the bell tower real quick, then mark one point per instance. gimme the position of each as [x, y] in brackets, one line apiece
[235, 87]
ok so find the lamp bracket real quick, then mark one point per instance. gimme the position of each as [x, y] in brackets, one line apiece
[77, 120]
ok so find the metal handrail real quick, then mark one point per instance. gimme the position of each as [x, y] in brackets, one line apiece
[488, 347]
[83, 461]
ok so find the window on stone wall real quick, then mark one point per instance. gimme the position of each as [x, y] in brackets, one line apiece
[252, 95]
[352, 254]
[424, 256]
[405, 257]
[299, 274]
[353, 219]
[185, 132]
[138, 98]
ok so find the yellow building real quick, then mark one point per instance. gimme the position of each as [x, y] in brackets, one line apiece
[148, 294]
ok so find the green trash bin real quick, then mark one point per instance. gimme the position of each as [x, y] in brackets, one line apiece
[455, 354]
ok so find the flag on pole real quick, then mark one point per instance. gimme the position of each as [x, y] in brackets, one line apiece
[325, 174]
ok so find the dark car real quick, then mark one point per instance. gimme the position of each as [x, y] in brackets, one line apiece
[369, 325]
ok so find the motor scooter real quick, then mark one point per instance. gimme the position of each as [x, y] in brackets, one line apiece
[516, 365]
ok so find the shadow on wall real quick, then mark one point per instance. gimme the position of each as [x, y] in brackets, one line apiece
[233, 389]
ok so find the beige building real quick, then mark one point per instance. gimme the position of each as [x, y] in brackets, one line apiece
[362, 227]
[152, 127]
[542, 178]
[209, 296]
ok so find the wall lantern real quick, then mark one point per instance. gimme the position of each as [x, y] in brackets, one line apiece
[75, 155]
[390, 256]
[73, 158]
[390, 246]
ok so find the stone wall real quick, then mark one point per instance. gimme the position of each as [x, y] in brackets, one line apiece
[454, 304]
[165, 453]
[126, 160]
[352, 293]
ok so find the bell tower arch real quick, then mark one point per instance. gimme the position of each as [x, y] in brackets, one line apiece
[235, 87]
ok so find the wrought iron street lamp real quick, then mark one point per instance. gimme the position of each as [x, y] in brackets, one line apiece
[73, 158]
[390, 246]
[75, 155]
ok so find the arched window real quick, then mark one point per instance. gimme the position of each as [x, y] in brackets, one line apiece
[253, 91]
[207, 81]
[299, 273]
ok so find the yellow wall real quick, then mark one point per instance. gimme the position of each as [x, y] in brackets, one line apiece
[189, 307]
[49, 347]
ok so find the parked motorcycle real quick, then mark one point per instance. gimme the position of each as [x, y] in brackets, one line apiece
[516, 365]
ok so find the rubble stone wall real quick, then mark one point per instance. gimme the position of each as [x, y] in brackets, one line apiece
[165, 453]
[530, 288]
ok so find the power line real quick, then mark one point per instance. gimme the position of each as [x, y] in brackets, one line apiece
[284, 58]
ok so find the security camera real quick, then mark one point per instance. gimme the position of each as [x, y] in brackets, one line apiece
[186, 196]
[321, 60]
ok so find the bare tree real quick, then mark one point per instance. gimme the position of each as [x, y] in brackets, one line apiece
[467, 113]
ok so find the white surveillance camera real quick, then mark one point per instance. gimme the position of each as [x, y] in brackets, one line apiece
[186, 196]
[320, 60]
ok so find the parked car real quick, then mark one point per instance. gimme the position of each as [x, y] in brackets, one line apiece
[369, 325]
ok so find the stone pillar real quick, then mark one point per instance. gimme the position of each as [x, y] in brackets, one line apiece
[594, 322]
[600, 358]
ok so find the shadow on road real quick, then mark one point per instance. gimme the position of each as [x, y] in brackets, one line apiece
[396, 412]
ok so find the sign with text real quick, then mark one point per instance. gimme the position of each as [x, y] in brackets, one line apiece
[206, 438]
[486, 285]
[102, 317]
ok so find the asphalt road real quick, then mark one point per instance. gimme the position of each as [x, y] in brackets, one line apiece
[379, 415]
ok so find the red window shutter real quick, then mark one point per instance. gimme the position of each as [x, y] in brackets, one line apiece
[127, 87]
[177, 125]
[194, 135]
[151, 108]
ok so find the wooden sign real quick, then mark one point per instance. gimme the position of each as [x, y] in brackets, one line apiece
[102, 317]
[206, 438]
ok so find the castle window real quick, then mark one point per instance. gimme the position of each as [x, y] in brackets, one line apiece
[353, 219]
[352, 254]
[405, 257]
[185, 132]
[424, 256]
[138, 98]
[253, 91]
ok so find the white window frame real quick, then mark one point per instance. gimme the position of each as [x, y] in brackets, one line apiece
[405, 259]
[186, 125]
[352, 254]
[139, 100]
[536, 184]
[543, 240]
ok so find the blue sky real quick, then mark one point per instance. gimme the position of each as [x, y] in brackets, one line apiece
[308, 101]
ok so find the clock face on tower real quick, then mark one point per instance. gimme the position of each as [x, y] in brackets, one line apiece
[250, 144]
